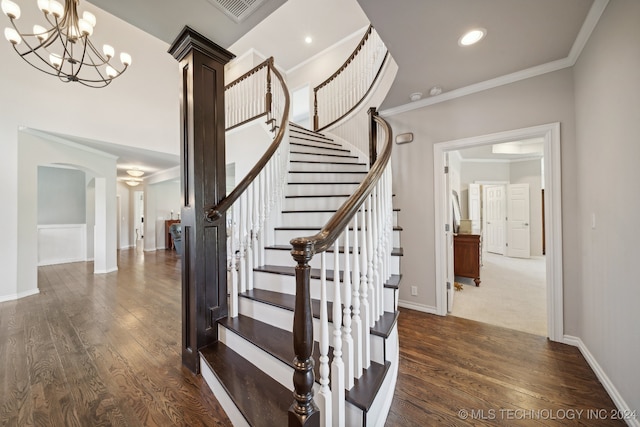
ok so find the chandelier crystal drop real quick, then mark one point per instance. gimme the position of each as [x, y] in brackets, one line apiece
[62, 47]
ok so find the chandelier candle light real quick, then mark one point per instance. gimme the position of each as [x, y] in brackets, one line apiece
[64, 49]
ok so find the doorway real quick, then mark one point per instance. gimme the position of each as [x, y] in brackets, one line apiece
[138, 221]
[550, 137]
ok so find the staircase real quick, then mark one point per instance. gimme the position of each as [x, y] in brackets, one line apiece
[250, 368]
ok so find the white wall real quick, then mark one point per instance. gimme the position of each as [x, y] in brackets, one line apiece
[245, 145]
[607, 102]
[141, 108]
[540, 100]
[165, 197]
[33, 151]
[126, 216]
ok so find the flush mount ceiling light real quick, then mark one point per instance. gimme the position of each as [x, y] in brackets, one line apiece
[63, 47]
[436, 90]
[132, 182]
[135, 172]
[472, 37]
[415, 96]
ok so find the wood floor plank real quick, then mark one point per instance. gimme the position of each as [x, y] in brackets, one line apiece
[105, 350]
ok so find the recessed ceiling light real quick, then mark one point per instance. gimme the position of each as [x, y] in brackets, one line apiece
[472, 37]
[308, 40]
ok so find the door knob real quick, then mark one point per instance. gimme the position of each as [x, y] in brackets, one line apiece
[526, 224]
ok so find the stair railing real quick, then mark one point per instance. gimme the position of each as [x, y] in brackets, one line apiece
[341, 93]
[250, 204]
[366, 219]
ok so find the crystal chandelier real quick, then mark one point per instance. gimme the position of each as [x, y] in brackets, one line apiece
[64, 49]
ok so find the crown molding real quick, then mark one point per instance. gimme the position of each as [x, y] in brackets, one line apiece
[589, 24]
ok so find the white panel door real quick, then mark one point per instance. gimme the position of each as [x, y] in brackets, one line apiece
[518, 230]
[449, 236]
[494, 235]
[474, 208]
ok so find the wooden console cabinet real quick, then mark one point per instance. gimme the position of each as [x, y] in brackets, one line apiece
[466, 256]
[169, 239]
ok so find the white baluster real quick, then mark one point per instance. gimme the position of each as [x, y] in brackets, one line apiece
[337, 366]
[364, 290]
[263, 216]
[250, 228]
[324, 394]
[356, 328]
[231, 254]
[347, 339]
[381, 249]
[370, 258]
[242, 240]
[376, 256]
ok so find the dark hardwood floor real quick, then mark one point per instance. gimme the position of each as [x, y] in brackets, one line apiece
[104, 350]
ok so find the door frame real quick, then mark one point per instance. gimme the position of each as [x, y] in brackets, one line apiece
[553, 215]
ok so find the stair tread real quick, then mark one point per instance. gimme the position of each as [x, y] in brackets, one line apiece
[381, 328]
[262, 400]
[315, 273]
[279, 343]
[394, 251]
[323, 183]
[319, 195]
[330, 163]
[360, 172]
[344, 156]
[303, 144]
[319, 227]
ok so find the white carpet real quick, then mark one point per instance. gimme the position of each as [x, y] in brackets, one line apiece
[512, 294]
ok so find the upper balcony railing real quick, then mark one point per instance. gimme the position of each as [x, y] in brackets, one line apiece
[345, 90]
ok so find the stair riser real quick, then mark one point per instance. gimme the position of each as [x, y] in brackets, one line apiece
[283, 257]
[319, 189]
[234, 414]
[283, 237]
[286, 285]
[304, 138]
[326, 177]
[327, 167]
[313, 203]
[277, 370]
[310, 147]
[270, 314]
[310, 157]
[300, 218]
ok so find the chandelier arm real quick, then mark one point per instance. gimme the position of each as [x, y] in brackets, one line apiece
[65, 28]
[44, 70]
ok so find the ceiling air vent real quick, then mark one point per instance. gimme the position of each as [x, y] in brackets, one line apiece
[238, 10]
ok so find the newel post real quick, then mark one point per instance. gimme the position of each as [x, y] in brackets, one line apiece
[303, 411]
[202, 168]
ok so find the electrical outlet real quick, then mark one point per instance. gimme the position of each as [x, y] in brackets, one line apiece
[414, 291]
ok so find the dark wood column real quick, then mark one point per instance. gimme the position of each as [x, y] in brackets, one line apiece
[202, 165]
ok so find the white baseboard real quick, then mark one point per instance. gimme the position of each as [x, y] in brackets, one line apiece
[604, 379]
[418, 307]
[109, 270]
[12, 297]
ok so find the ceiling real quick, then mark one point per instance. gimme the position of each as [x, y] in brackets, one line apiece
[422, 35]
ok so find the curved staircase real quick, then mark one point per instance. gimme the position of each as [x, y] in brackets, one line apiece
[250, 369]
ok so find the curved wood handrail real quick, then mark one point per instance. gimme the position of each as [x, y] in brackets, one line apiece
[216, 212]
[323, 240]
[267, 62]
[348, 61]
[386, 57]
